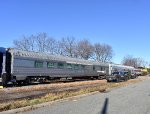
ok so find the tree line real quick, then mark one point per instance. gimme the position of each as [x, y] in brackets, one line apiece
[66, 46]
[69, 46]
[134, 61]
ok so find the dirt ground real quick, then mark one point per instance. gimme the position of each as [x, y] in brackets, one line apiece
[34, 91]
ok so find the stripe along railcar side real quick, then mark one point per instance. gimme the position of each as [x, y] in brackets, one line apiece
[26, 66]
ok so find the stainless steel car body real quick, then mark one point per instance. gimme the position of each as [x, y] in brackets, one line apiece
[23, 65]
[118, 67]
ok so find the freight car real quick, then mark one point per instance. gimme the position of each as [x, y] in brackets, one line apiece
[25, 66]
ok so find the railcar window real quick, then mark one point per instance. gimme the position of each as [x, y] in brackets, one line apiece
[82, 66]
[50, 65]
[38, 64]
[69, 66]
[60, 65]
[76, 67]
[93, 67]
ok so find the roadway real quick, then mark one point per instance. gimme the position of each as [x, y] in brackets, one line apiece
[132, 99]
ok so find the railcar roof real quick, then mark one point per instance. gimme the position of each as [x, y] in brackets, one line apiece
[121, 66]
[47, 56]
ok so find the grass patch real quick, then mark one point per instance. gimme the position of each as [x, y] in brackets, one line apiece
[60, 95]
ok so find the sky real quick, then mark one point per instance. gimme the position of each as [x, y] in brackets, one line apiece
[123, 24]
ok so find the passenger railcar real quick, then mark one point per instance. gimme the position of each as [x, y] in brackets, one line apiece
[118, 67]
[17, 66]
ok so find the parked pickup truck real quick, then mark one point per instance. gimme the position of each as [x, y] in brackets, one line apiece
[118, 76]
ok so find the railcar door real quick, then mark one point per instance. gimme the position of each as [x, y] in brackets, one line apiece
[6, 75]
[8, 65]
[1, 64]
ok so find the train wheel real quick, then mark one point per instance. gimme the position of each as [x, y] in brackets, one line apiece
[28, 81]
[41, 81]
[20, 83]
[99, 78]
[108, 81]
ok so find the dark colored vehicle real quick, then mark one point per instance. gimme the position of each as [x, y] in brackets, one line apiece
[133, 75]
[118, 76]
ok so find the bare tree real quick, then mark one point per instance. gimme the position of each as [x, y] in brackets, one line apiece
[141, 62]
[103, 52]
[68, 46]
[132, 61]
[85, 49]
[26, 43]
[41, 40]
[129, 61]
[51, 45]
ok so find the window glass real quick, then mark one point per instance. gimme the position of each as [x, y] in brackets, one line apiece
[60, 65]
[38, 64]
[69, 66]
[50, 65]
[76, 66]
[101, 68]
[93, 67]
[82, 66]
